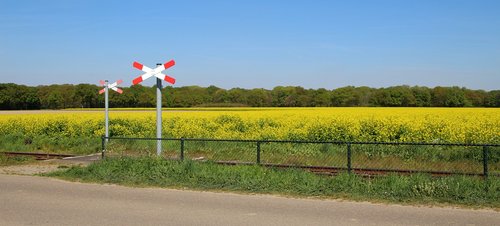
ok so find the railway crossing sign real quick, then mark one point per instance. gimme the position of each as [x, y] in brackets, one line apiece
[154, 72]
[110, 86]
[157, 72]
[105, 90]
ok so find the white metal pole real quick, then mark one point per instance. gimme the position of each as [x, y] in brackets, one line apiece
[158, 115]
[106, 107]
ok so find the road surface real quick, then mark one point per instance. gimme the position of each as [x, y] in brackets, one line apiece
[28, 200]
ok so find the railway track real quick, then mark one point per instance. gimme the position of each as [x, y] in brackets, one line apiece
[366, 172]
[37, 156]
[323, 170]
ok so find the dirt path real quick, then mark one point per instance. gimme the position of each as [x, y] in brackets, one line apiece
[48, 165]
[30, 169]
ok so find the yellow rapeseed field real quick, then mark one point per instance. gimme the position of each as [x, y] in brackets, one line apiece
[464, 125]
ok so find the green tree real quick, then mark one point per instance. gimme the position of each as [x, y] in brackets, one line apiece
[279, 95]
[492, 99]
[344, 97]
[221, 96]
[321, 97]
[14, 96]
[55, 100]
[86, 96]
[455, 97]
[396, 96]
[237, 95]
[422, 96]
[475, 98]
[259, 98]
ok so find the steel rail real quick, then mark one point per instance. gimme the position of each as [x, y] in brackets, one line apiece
[360, 171]
[38, 156]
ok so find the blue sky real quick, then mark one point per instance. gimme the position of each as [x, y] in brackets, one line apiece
[250, 44]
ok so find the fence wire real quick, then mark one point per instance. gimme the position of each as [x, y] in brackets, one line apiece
[328, 156]
[304, 154]
[142, 147]
[220, 151]
[411, 158]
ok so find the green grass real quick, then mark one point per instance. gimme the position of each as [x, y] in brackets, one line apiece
[415, 189]
[47, 144]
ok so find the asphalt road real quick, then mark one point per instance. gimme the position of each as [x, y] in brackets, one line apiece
[28, 200]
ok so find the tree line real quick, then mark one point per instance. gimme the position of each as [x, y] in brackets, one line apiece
[21, 97]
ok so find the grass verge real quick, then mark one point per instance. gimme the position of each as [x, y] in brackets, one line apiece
[18, 142]
[414, 189]
[15, 160]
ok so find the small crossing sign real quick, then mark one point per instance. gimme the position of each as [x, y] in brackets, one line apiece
[104, 90]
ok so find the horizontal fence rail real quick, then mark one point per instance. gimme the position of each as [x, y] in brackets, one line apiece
[304, 141]
[359, 157]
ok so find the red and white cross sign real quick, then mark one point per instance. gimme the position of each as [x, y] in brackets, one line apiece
[111, 86]
[154, 72]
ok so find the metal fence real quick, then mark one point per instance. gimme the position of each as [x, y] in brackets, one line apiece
[328, 157]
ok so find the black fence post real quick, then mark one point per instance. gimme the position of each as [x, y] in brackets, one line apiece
[103, 146]
[485, 162]
[258, 152]
[349, 159]
[182, 149]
